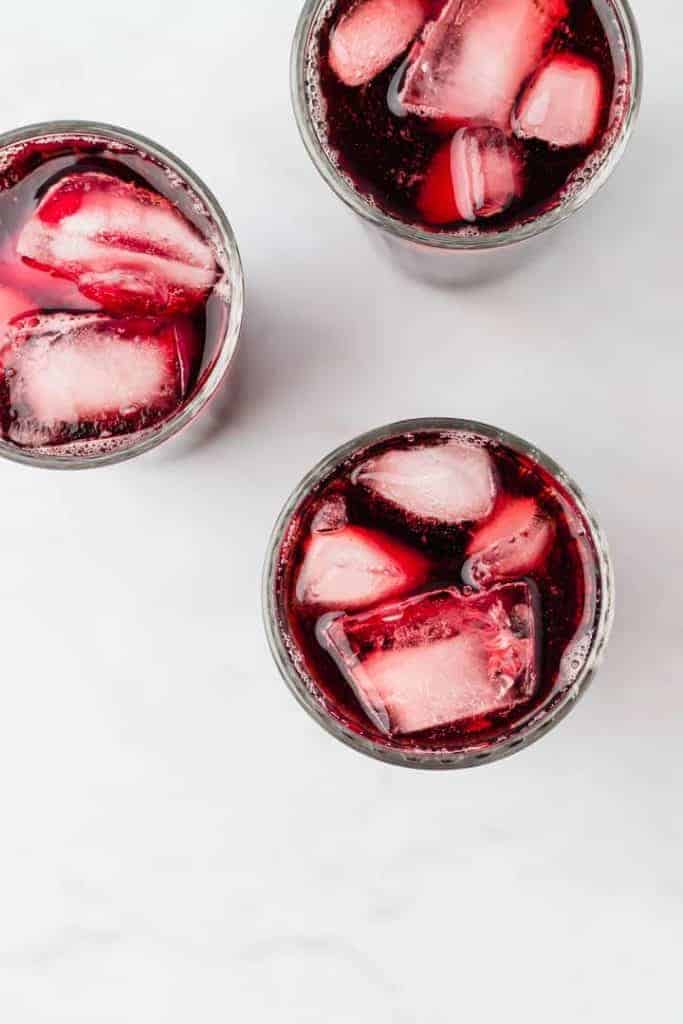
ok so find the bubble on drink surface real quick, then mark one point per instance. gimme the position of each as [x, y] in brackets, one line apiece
[575, 657]
[591, 168]
[94, 447]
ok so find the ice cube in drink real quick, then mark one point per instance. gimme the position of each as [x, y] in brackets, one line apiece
[442, 658]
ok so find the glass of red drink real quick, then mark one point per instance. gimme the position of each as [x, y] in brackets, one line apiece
[437, 594]
[463, 127]
[121, 295]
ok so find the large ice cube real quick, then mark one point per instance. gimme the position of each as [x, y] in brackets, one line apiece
[515, 542]
[562, 103]
[354, 567]
[440, 658]
[66, 377]
[371, 35]
[125, 247]
[472, 61]
[448, 483]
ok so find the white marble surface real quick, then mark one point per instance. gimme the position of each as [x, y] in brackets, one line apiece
[179, 841]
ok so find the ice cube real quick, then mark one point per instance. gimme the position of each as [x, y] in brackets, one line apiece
[477, 174]
[67, 377]
[447, 483]
[126, 248]
[472, 61]
[562, 103]
[331, 516]
[371, 35]
[356, 567]
[440, 658]
[515, 542]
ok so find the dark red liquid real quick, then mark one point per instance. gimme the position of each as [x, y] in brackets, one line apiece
[387, 158]
[565, 586]
[34, 293]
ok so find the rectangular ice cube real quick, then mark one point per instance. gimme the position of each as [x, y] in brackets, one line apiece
[66, 377]
[441, 658]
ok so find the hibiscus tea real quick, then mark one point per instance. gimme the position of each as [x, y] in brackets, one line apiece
[468, 118]
[437, 593]
[120, 289]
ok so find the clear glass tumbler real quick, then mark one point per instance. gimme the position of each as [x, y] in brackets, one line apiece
[462, 258]
[226, 310]
[579, 661]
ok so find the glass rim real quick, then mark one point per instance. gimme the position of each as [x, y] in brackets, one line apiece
[228, 341]
[442, 240]
[520, 734]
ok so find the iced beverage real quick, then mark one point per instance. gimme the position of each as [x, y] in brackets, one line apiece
[116, 287]
[438, 593]
[466, 121]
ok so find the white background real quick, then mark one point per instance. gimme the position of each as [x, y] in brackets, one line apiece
[180, 843]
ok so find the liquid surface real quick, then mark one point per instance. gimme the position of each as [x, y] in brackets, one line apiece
[112, 293]
[476, 148]
[433, 602]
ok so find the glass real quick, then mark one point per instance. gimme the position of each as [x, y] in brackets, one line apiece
[444, 257]
[579, 662]
[217, 361]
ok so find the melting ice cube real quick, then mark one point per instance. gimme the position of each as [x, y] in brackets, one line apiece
[439, 658]
[450, 483]
[126, 248]
[562, 103]
[513, 543]
[355, 567]
[371, 35]
[66, 377]
[473, 60]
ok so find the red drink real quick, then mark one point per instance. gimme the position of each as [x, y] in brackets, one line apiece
[115, 288]
[437, 591]
[465, 116]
